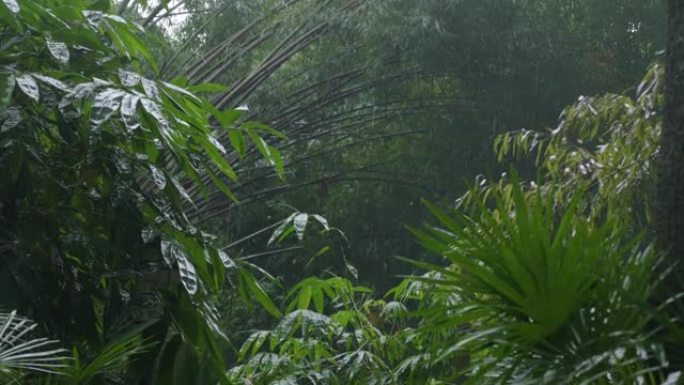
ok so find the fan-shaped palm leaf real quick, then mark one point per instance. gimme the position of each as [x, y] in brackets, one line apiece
[19, 354]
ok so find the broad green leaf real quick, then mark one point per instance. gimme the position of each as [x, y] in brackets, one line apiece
[304, 298]
[228, 118]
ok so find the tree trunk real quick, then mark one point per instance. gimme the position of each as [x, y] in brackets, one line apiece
[670, 195]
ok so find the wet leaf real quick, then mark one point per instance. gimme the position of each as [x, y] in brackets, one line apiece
[322, 221]
[186, 269]
[129, 109]
[6, 89]
[158, 177]
[11, 118]
[153, 109]
[150, 88]
[59, 51]
[280, 229]
[182, 191]
[12, 5]
[128, 78]
[106, 103]
[300, 221]
[165, 248]
[29, 86]
[227, 261]
[217, 144]
[116, 18]
[56, 83]
[94, 18]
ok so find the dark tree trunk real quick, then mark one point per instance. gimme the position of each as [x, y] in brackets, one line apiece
[670, 199]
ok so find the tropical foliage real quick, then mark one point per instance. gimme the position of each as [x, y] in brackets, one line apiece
[161, 163]
[98, 162]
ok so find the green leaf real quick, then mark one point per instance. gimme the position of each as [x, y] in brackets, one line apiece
[29, 86]
[6, 89]
[12, 6]
[186, 269]
[277, 159]
[300, 220]
[237, 140]
[220, 185]
[228, 118]
[105, 104]
[207, 87]
[8, 17]
[264, 128]
[129, 111]
[213, 150]
[58, 84]
[59, 51]
[322, 221]
[280, 229]
[304, 298]
[12, 117]
[259, 294]
[269, 153]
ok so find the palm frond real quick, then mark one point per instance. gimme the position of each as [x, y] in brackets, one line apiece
[19, 354]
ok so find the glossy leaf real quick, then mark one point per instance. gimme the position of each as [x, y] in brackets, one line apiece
[29, 86]
[59, 51]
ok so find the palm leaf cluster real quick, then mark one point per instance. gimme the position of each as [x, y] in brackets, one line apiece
[20, 354]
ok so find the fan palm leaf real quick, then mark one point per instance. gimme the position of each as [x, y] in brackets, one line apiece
[19, 354]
